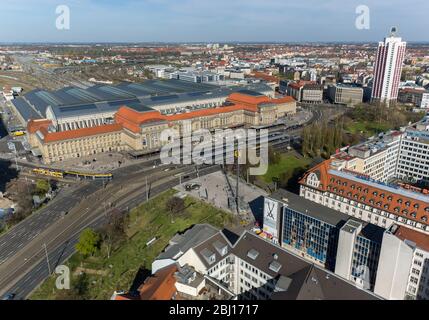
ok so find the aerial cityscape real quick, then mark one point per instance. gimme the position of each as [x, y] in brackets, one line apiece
[202, 155]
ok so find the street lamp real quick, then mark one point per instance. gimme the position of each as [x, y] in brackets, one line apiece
[47, 259]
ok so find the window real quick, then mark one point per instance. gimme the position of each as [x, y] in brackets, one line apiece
[416, 272]
[414, 280]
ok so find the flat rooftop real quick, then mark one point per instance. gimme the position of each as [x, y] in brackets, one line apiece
[311, 208]
[328, 215]
[69, 102]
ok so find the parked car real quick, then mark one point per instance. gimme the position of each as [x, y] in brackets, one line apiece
[192, 186]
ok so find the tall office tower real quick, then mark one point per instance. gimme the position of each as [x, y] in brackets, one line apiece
[388, 68]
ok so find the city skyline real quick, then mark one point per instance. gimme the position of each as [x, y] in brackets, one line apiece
[196, 150]
[201, 21]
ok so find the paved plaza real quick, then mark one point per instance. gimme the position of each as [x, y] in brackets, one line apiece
[219, 191]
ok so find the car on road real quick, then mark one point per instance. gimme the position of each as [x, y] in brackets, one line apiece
[192, 186]
[9, 296]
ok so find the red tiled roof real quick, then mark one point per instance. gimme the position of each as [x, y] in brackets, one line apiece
[300, 84]
[266, 77]
[79, 133]
[34, 125]
[296, 85]
[394, 203]
[244, 99]
[413, 90]
[287, 99]
[132, 119]
[160, 286]
[125, 297]
[419, 238]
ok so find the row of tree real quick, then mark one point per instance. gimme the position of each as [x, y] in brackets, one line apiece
[321, 139]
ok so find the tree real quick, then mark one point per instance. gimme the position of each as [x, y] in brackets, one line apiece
[89, 242]
[20, 192]
[42, 187]
[175, 205]
[273, 156]
[114, 231]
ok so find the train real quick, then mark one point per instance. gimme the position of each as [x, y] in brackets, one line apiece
[72, 174]
[48, 173]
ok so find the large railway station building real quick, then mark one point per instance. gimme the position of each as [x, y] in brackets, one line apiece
[131, 117]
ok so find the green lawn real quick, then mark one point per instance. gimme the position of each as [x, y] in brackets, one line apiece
[368, 128]
[148, 221]
[286, 166]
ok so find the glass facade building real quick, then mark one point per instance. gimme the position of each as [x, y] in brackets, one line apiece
[310, 235]
[319, 240]
[366, 254]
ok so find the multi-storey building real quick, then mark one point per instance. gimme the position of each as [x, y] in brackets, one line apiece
[413, 161]
[417, 97]
[312, 93]
[252, 268]
[403, 270]
[366, 199]
[345, 94]
[196, 76]
[388, 68]
[376, 158]
[326, 237]
[306, 92]
[398, 154]
[137, 128]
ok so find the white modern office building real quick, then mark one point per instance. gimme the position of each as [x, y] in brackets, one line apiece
[403, 269]
[400, 155]
[413, 160]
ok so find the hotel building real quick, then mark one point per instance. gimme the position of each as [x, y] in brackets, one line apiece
[388, 68]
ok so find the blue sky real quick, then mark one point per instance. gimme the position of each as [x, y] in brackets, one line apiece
[210, 20]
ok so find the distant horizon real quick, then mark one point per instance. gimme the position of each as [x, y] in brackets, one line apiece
[24, 43]
[205, 21]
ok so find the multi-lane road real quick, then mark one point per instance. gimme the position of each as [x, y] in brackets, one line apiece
[23, 250]
[23, 233]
